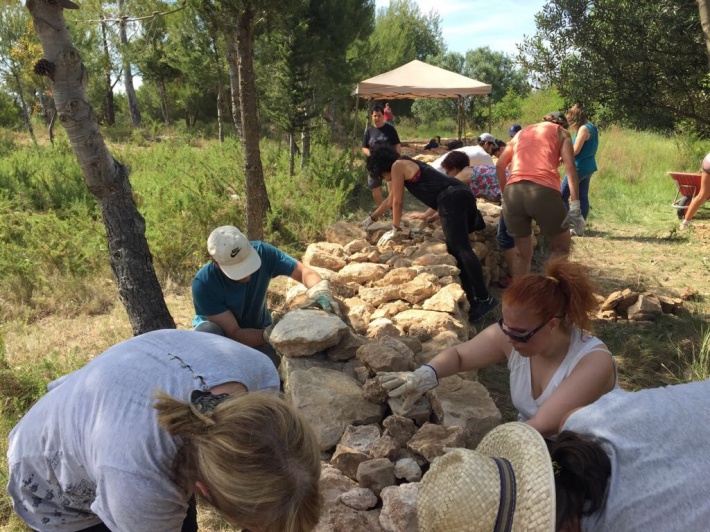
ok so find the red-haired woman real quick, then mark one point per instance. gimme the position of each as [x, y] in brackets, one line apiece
[555, 365]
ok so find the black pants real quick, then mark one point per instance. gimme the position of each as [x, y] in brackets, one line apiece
[188, 525]
[459, 217]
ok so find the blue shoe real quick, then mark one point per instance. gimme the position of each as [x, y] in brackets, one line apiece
[482, 308]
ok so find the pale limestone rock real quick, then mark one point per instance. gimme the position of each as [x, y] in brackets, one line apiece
[347, 347]
[480, 249]
[376, 474]
[420, 412]
[466, 404]
[432, 247]
[426, 324]
[340, 518]
[373, 391]
[420, 288]
[366, 255]
[382, 327]
[362, 273]
[399, 508]
[440, 270]
[396, 277]
[388, 310]
[401, 263]
[399, 428]
[333, 484]
[431, 259]
[430, 440]
[330, 401]
[362, 374]
[305, 332]
[446, 300]
[411, 341]
[343, 233]
[383, 357]
[360, 315]
[379, 295]
[291, 364]
[611, 302]
[325, 255]
[408, 469]
[607, 315]
[630, 298]
[385, 447]
[646, 308]
[347, 459]
[356, 246]
[361, 437]
[359, 498]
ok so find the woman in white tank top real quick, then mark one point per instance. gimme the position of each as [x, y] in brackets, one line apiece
[555, 366]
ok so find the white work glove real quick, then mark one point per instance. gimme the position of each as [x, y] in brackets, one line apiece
[389, 235]
[320, 296]
[367, 222]
[574, 219]
[410, 385]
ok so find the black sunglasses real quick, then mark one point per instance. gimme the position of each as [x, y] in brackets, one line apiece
[521, 338]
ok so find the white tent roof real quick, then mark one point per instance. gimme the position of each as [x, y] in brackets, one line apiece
[420, 80]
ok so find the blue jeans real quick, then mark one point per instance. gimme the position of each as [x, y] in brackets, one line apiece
[583, 193]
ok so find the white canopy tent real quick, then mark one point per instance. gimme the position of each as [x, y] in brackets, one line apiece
[417, 79]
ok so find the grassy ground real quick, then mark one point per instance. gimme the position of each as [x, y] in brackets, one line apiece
[60, 314]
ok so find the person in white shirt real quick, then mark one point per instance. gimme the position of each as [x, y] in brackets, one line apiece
[478, 155]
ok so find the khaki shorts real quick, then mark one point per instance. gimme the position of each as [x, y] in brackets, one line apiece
[525, 201]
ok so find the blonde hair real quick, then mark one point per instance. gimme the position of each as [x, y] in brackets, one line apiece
[257, 457]
[563, 290]
[577, 116]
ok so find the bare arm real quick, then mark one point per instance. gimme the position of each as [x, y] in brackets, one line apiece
[567, 153]
[305, 275]
[582, 137]
[396, 190]
[228, 323]
[398, 147]
[485, 349]
[501, 166]
[366, 151]
[593, 376]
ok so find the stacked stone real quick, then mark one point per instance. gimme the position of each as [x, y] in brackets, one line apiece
[638, 308]
[402, 305]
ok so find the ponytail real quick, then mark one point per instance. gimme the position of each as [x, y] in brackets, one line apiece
[582, 470]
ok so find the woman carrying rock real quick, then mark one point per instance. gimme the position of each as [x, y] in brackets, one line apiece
[457, 212]
[555, 365]
[125, 442]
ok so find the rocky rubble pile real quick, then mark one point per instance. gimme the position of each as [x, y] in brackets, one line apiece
[638, 308]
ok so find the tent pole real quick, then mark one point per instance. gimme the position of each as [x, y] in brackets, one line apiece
[458, 117]
[490, 103]
[473, 104]
[357, 104]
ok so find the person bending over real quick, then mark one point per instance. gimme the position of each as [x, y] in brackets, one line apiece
[555, 365]
[127, 441]
[229, 292]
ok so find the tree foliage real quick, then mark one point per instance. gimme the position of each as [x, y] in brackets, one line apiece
[642, 63]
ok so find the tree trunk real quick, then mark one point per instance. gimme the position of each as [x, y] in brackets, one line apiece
[292, 153]
[220, 118]
[257, 197]
[107, 179]
[127, 73]
[164, 103]
[704, 8]
[23, 105]
[306, 145]
[110, 109]
[233, 62]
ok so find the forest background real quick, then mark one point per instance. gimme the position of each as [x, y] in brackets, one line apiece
[641, 68]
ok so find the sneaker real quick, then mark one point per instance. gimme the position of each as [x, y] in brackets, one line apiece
[684, 225]
[482, 308]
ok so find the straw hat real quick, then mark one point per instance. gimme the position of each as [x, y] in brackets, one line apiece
[462, 490]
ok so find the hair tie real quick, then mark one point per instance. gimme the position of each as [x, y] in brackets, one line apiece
[206, 402]
[553, 279]
[556, 468]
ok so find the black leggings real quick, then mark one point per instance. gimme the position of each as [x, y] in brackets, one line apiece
[188, 525]
[459, 216]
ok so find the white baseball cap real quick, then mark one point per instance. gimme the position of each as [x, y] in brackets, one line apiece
[487, 137]
[229, 248]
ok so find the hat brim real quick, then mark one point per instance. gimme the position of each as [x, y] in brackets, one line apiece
[526, 450]
[245, 268]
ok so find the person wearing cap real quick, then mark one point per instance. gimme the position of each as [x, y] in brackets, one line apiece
[478, 155]
[380, 133]
[555, 364]
[585, 142]
[229, 292]
[531, 191]
[514, 130]
[127, 441]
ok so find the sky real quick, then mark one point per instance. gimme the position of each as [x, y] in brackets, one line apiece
[470, 24]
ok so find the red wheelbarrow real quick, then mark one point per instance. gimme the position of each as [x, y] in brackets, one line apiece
[688, 186]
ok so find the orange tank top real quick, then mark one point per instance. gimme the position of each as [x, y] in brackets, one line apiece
[536, 155]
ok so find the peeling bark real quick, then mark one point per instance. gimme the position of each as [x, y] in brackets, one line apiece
[106, 178]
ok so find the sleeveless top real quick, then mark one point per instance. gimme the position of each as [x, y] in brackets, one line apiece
[429, 183]
[520, 381]
[584, 161]
[536, 155]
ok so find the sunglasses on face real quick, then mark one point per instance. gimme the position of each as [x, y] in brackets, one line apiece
[521, 338]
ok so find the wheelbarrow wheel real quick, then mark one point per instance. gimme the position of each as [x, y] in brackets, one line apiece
[682, 202]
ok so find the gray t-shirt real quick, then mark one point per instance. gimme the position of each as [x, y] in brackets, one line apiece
[658, 444]
[91, 449]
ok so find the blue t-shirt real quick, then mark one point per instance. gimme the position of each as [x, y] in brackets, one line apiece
[214, 293]
[584, 161]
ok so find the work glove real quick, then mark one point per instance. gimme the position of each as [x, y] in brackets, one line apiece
[410, 385]
[367, 222]
[389, 235]
[320, 296]
[574, 219]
